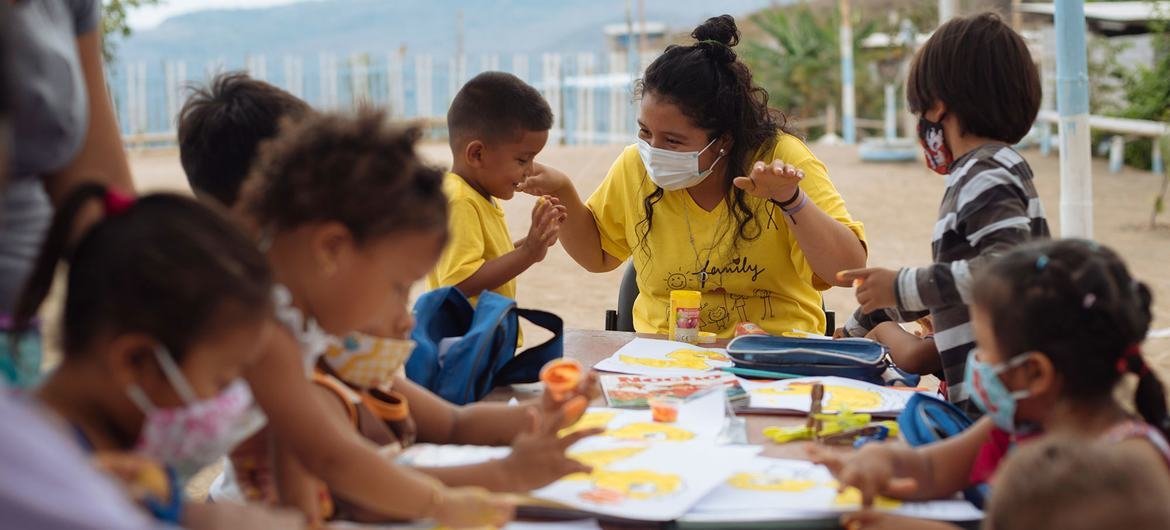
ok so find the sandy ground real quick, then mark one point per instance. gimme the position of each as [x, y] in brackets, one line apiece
[897, 203]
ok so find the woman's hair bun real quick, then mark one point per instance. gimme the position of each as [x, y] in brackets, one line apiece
[720, 29]
[716, 36]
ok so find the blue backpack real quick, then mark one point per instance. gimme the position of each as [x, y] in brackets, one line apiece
[927, 420]
[463, 352]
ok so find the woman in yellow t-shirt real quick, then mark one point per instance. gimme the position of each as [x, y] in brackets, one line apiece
[759, 247]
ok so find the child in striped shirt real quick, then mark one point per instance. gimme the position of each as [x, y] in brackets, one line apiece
[976, 91]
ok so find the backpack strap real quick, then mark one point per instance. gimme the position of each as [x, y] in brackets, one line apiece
[525, 367]
[348, 397]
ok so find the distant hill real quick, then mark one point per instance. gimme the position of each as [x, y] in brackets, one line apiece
[344, 26]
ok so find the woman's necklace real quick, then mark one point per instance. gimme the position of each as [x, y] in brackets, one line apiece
[700, 267]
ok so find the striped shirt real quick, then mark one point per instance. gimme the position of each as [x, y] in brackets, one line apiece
[989, 207]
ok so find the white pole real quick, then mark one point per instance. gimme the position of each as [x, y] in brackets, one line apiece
[423, 70]
[520, 67]
[947, 9]
[848, 100]
[891, 112]
[1072, 101]
[395, 88]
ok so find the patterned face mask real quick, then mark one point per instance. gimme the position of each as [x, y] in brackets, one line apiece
[367, 361]
[938, 155]
[199, 433]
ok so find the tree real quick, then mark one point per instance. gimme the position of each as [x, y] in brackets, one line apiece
[797, 59]
[114, 22]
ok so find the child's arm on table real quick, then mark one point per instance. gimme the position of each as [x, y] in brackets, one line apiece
[542, 234]
[336, 454]
[896, 470]
[910, 352]
[438, 421]
[537, 459]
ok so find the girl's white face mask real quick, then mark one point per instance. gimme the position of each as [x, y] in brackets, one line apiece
[674, 170]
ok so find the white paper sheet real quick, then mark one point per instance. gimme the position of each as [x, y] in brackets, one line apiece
[432, 455]
[584, 524]
[771, 489]
[664, 357]
[645, 481]
[793, 395]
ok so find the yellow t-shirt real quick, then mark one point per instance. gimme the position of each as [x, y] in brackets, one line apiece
[478, 233]
[767, 281]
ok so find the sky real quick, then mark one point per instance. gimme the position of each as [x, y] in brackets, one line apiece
[149, 17]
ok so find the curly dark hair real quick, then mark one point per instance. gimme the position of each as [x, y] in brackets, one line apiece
[357, 170]
[713, 88]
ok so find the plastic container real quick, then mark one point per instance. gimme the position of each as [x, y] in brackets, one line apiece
[561, 377]
[664, 409]
[684, 316]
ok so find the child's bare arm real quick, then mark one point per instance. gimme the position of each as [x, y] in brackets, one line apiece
[582, 238]
[483, 423]
[537, 459]
[897, 470]
[335, 453]
[295, 486]
[910, 352]
[546, 223]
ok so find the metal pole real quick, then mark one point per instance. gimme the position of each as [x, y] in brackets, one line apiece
[1072, 101]
[848, 101]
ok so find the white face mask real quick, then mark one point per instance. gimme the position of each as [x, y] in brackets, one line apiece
[674, 170]
[195, 435]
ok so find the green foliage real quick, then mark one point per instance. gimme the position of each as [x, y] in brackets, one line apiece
[115, 25]
[797, 59]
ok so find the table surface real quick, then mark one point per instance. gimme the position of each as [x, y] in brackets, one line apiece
[591, 346]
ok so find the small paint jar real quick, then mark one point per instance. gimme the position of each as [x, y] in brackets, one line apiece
[664, 409]
[561, 377]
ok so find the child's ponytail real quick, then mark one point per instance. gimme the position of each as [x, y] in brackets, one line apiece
[1150, 396]
[56, 248]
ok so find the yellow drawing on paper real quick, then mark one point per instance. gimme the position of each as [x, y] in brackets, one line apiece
[771, 481]
[650, 432]
[602, 457]
[851, 498]
[589, 420]
[837, 397]
[615, 487]
[698, 360]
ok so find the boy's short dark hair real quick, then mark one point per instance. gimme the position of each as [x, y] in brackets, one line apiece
[982, 71]
[495, 106]
[221, 127]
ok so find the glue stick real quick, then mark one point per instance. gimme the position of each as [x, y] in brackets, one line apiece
[684, 316]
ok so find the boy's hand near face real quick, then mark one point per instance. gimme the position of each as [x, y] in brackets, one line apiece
[547, 216]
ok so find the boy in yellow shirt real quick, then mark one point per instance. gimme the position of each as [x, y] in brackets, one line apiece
[497, 124]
